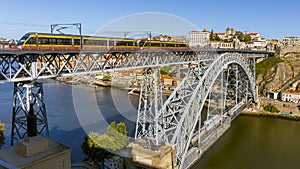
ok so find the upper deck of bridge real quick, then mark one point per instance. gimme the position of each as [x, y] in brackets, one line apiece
[22, 52]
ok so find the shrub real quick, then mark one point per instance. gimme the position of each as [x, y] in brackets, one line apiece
[97, 147]
[271, 108]
[264, 66]
[106, 78]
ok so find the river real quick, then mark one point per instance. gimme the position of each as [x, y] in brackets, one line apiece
[251, 142]
[71, 111]
[255, 143]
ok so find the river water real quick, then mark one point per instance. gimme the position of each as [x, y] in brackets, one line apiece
[251, 142]
[255, 143]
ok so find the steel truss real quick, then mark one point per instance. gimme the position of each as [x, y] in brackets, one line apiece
[31, 65]
[207, 80]
[26, 93]
[149, 119]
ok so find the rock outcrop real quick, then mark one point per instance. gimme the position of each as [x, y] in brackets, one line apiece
[282, 73]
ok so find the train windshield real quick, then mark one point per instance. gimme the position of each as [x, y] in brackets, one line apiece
[23, 39]
[141, 43]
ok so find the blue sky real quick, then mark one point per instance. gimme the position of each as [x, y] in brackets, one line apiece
[272, 19]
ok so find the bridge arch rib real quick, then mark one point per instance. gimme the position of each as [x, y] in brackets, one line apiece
[182, 110]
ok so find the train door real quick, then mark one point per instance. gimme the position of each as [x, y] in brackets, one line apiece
[37, 41]
[72, 43]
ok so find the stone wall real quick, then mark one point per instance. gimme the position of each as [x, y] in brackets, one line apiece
[289, 49]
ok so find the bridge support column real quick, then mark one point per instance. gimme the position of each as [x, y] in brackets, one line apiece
[26, 93]
[149, 118]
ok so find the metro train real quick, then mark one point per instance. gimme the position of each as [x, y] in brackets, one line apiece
[45, 41]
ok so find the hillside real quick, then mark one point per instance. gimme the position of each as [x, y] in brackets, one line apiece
[273, 73]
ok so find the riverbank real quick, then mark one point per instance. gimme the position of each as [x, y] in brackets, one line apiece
[123, 84]
[248, 112]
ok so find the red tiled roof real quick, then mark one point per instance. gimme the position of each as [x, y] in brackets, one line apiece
[252, 33]
[291, 91]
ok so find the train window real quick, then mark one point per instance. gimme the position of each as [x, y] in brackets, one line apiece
[111, 43]
[147, 44]
[31, 41]
[156, 44]
[52, 41]
[44, 41]
[141, 43]
[96, 42]
[88, 42]
[170, 45]
[76, 41]
[23, 39]
[102, 42]
[67, 41]
[120, 43]
[59, 41]
[125, 43]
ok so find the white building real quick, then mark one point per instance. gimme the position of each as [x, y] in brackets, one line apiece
[222, 35]
[199, 38]
[253, 35]
[214, 44]
[290, 96]
[226, 45]
[259, 43]
[272, 95]
[291, 41]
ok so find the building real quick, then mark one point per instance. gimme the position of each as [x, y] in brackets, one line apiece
[290, 96]
[178, 39]
[214, 44]
[162, 38]
[199, 38]
[253, 35]
[272, 95]
[115, 162]
[273, 44]
[291, 41]
[260, 43]
[230, 31]
[222, 35]
[226, 45]
[170, 82]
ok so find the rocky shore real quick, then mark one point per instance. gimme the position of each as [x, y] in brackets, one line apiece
[125, 83]
[252, 112]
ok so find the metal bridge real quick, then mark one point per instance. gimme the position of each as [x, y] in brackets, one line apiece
[218, 85]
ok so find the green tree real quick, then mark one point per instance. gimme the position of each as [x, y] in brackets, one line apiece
[217, 38]
[247, 38]
[271, 108]
[97, 147]
[239, 35]
[106, 78]
[163, 72]
[211, 36]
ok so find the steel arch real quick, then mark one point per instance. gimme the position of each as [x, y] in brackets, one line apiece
[181, 130]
